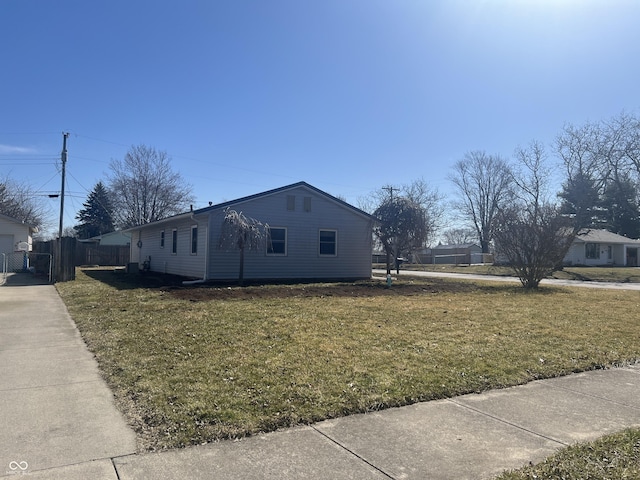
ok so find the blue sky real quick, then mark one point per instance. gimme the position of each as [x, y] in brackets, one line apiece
[348, 95]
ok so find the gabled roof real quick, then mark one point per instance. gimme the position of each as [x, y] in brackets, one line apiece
[256, 196]
[280, 190]
[32, 228]
[589, 235]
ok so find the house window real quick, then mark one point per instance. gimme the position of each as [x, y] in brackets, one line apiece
[162, 239]
[328, 242]
[277, 243]
[307, 204]
[592, 251]
[194, 239]
[291, 202]
[609, 252]
[174, 241]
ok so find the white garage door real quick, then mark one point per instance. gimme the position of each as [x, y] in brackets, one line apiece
[6, 244]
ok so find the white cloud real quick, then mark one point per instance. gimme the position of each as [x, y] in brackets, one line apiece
[15, 150]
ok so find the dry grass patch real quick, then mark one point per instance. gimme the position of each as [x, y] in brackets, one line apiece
[192, 365]
[612, 457]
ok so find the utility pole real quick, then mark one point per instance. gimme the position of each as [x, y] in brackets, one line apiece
[390, 189]
[63, 159]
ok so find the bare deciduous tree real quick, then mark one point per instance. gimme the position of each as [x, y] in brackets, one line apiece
[242, 233]
[530, 231]
[484, 184]
[534, 247]
[17, 200]
[459, 236]
[145, 188]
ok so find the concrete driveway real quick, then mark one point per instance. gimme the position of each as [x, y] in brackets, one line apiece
[57, 416]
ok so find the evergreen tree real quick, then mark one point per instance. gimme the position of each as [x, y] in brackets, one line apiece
[96, 218]
[580, 200]
[620, 207]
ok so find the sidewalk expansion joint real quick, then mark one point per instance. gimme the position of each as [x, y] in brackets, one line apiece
[353, 453]
[501, 420]
[115, 469]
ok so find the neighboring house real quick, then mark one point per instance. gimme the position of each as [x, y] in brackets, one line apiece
[464, 253]
[118, 238]
[313, 236]
[594, 247]
[15, 235]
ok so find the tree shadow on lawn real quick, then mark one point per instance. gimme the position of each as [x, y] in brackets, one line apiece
[172, 285]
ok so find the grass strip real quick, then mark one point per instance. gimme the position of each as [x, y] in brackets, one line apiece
[613, 457]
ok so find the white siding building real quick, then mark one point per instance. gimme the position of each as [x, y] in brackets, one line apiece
[14, 234]
[595, 247]
[313, 235]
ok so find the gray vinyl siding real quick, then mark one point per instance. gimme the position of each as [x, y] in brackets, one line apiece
[162, 259]
[303, 260]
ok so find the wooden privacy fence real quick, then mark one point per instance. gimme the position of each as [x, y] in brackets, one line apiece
[75, 254]
[103, 255]
[64, 270]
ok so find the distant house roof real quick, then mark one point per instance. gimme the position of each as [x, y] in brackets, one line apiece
[32, 228]
[112, 238]
[456, 246]
[602, 236]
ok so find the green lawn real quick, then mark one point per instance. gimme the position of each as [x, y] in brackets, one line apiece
[192, 365]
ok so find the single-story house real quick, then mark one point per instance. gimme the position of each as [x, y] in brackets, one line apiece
[15, 236]
[313, 235]
[595, 247]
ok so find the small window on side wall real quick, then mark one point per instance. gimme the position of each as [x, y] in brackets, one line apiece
[328, 243]
[162, 239]
[194, 240]
[174, 241]
[291, 202]
[277, 241]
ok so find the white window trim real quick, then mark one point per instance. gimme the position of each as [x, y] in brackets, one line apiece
[336, 243]
[286, 243]
[191, 239]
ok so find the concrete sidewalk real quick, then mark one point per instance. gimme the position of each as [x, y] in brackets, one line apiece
[59, 422]
[468, 437]
[57, 416]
